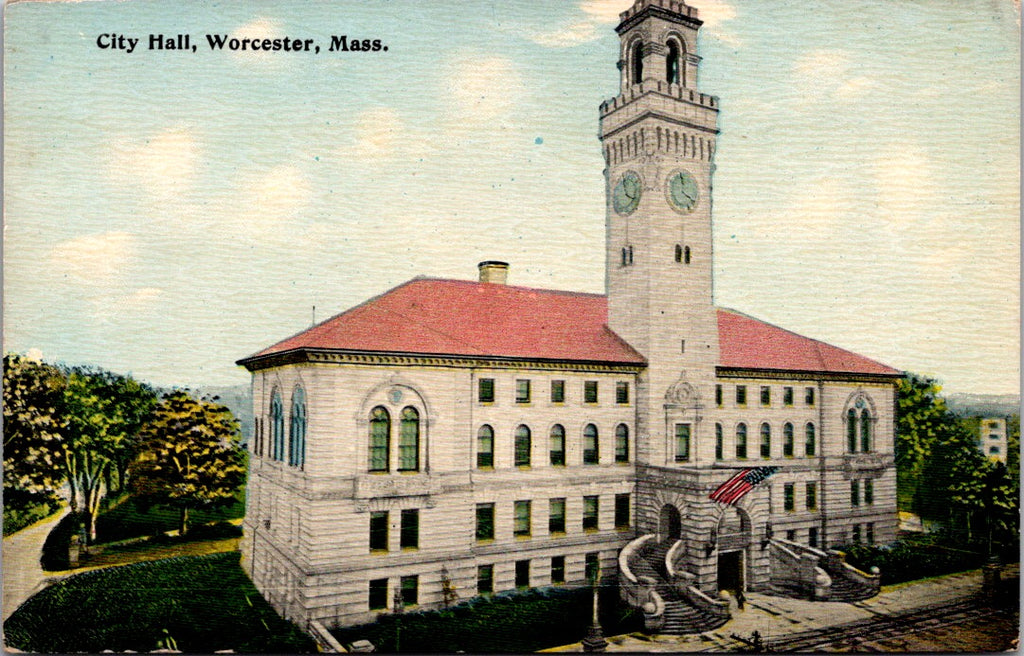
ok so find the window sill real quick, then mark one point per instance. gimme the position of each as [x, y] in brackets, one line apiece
[408, 472]
[379, 552]
[487, 468]
[483, 541]
[557, 534]
[485, 402]
[558, 403]
[623, 529]
[560, 465]
[523, 467]
[521, 538]
[409, 549]
[623, 463]
[523, 404]
[591, 530]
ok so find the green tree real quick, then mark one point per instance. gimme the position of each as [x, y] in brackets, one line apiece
[104, 412]
[922, 419]
[190, 456]
[33, 426]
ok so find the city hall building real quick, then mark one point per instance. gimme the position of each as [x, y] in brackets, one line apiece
[451, 438]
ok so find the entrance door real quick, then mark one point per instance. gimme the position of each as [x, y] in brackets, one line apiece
[730, 571]
[669, 524]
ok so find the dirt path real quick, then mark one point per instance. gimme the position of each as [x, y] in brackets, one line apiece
[22, 574]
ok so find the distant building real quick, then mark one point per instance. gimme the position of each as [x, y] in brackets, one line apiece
[992, 438]
[482, 437]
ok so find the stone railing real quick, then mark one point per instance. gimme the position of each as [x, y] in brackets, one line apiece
[718, 608]
[672, 557]
[683, 584]
[835, 563]
[795, 566]
[677, 91]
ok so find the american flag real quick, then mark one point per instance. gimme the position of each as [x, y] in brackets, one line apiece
[744, 481]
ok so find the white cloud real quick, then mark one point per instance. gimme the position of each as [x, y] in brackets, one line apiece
[269, 201]
[572, 35]
[164, 164]
[713, 13]
[832, 74]
[100, 259]
[605, 11]
[378, 133]
[34, 355]
[484, 89]
[822, 65]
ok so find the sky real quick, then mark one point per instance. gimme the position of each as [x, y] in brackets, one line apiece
[167, 213]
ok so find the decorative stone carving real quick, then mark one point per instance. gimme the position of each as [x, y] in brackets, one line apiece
[682, 393]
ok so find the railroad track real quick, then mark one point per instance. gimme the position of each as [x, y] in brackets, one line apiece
[882, 626]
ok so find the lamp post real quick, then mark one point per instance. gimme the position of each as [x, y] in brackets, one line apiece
[594, 641]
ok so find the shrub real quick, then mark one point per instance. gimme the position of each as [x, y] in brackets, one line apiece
[55, 548]
[904, 561]
[202, 603]
[22, 509]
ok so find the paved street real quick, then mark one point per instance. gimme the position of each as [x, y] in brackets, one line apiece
[914, 616]
[22, 575]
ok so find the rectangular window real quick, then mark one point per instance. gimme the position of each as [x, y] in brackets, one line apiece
[592, 567]
[787, 396]
[789, 497]
[522, 391]
[854, 493]
[719, 443]
[524, 444]
[682, 442]
[856, 533]
[791, 535]
[812, 495]
[410, 537]
[485, 579]
[809, 396]
[486, 390]
[558, 391]
[766, 395]
[622, 393]
[522, 519]
[718, 395]
[741, 395]
[869, 492]
[590, 391]
[410, 590]
[812, 536]
[622, 511]
[379, 531]
[622, 443]
[870, 532]
[556, 516]
[558, 569]
[522, 573]
[590, 508]
[379, 594]
[485, 521]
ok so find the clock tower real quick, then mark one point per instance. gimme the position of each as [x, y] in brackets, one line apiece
[658, 137]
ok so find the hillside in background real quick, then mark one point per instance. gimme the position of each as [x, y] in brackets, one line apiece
[237, 399]
[984, 405]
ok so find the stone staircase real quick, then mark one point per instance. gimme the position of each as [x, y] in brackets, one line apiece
[681, 617]
[847, 584]
[848, 590]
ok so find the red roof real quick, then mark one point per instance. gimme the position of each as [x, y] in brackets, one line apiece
[455, 317]
[746, 343]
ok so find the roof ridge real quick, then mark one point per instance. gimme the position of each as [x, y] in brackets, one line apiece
[543, 290]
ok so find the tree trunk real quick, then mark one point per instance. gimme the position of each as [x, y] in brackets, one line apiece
[183, 525]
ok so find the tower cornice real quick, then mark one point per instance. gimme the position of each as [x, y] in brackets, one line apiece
[676, 12]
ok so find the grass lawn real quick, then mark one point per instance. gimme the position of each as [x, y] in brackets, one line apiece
[129, 520]
[205, 603]
[508, 622]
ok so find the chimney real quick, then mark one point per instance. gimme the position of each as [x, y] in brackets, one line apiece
[493, 271]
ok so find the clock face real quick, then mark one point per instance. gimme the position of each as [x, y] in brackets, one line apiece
[682, 191]
[626, 195]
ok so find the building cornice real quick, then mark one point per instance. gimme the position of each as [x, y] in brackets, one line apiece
[367, 358]
[816, 376]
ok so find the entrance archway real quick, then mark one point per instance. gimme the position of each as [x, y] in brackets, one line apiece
[670, 525]
[733, 540]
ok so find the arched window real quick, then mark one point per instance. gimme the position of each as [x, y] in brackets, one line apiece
[557, 447]
[276, 426]
[679, 253]
[622, 443]
[297, 430]
[865, 431]
[851, 431]
[719, 443]
[741, 441]
[766, 441]
[638, 62]
[810, 446]
[686, 255]
[523, 446]
[409, 440]
[380, 432]
[485, 447]
[590, 452]
[672, 63]
[787, 440]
